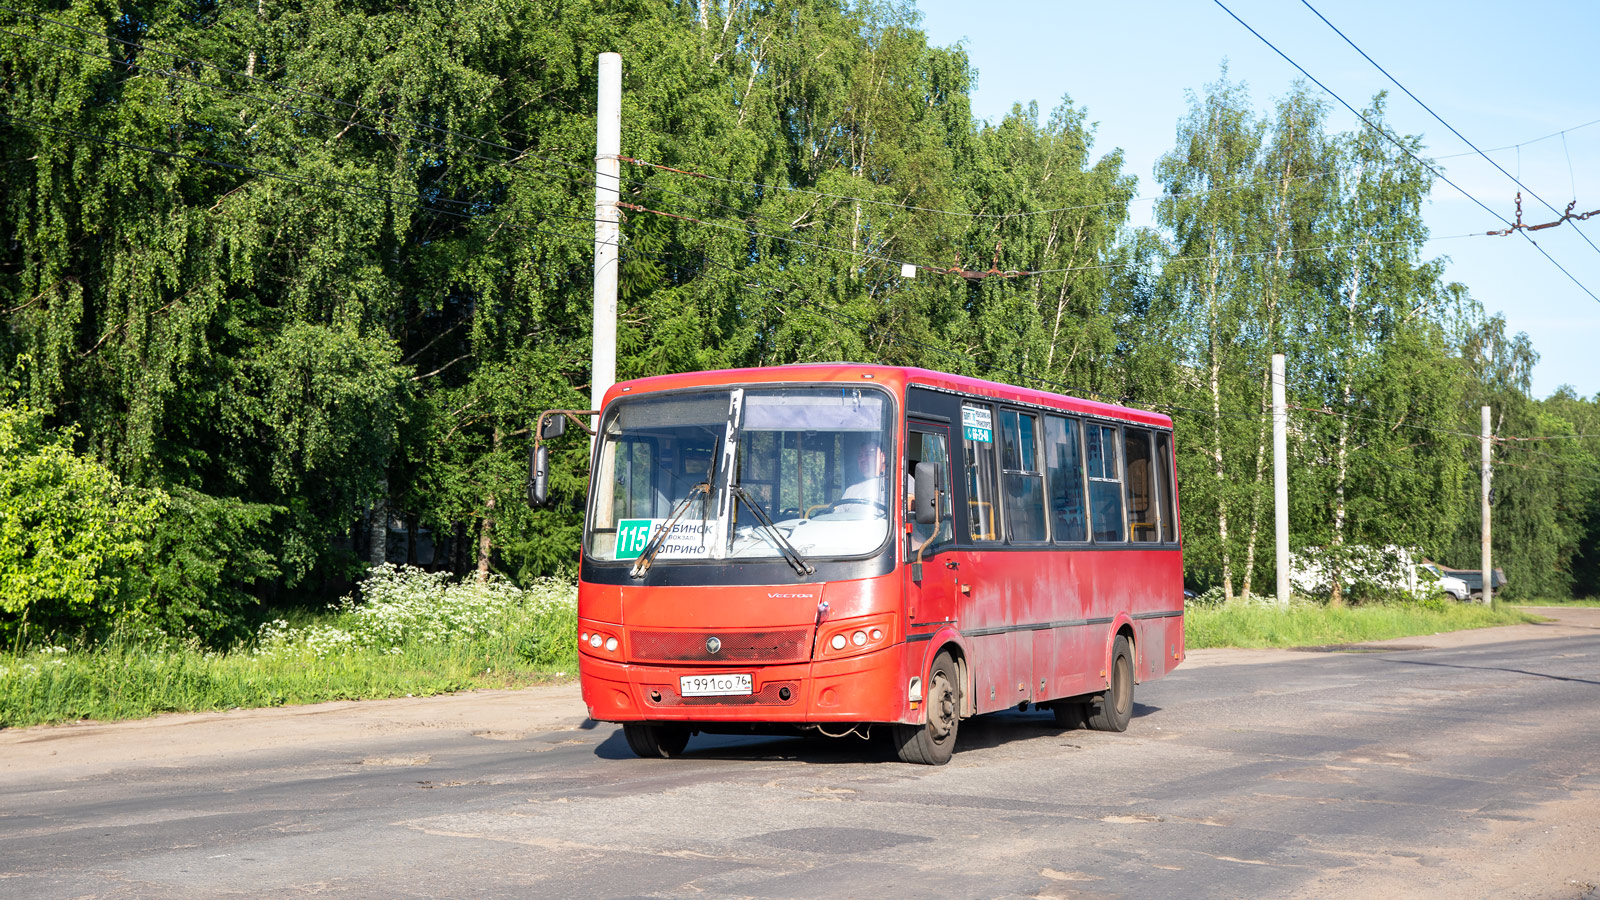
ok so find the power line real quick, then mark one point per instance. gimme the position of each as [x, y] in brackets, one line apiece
[644, 185]
[1536, 140]
[1403, 148]
[1020, 214]
[1324, 411]
[357, 190]
[1307, 4]
[819, 307]
[1023, 273]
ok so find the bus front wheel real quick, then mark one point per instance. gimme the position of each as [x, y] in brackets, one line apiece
[654, 740]
[1112, 709]
[933, 742]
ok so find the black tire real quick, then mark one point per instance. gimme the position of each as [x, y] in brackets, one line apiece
[1112, 710]
[933, 742]
[1070, 714]
[655, 740]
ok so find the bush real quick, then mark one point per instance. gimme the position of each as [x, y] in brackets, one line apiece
[402, 606]
[70, 531]
[204, 556]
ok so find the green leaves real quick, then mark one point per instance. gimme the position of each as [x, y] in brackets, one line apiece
[69, 529]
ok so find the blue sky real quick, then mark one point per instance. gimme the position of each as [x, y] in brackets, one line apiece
[1502, 74]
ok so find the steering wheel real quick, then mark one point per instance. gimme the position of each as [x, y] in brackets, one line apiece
[883, 508]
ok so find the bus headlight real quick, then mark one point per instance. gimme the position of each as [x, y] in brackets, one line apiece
[611, 644]
[849, 637]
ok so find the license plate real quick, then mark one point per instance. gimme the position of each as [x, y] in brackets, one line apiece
[721, 685]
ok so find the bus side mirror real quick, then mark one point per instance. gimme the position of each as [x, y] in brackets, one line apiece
[554, 427]
[538, 480]
[925, 493]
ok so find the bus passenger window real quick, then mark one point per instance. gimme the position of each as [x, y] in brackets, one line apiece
[1069, 516]
[1023, 480]
[1169, 515]
[1139, 465]
[982, 471]
[1105, 482]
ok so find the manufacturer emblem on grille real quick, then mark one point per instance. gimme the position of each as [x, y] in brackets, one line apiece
[713, 644]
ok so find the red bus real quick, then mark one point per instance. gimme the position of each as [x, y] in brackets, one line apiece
[828, 547]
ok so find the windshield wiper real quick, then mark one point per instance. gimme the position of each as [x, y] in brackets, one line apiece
[648, 555]
[801, 567]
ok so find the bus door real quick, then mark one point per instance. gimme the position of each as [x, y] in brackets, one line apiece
[930, 599]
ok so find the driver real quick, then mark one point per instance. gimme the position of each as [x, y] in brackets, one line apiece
[872, 486]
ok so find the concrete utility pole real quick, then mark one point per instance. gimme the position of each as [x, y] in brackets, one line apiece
[607, 177]
[1488, 571]
[1280, 473]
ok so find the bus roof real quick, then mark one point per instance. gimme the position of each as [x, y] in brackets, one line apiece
[896, 378]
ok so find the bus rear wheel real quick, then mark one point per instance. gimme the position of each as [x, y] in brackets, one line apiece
[656, 740]
[933, 742]
[1112, 710]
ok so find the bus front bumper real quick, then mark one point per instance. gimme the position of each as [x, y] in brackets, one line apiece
[865, 688]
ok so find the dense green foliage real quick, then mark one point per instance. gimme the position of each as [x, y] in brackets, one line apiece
[271, 267]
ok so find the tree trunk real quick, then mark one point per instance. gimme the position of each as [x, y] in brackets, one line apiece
[1216, 428]
[459, 560]
[261, 16]
[378, 526]
[1255, 497]
[1341, 459]
[486, 528]
[1266, 391]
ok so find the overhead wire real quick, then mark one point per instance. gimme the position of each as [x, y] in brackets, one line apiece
[347, 188]
[1562, 133]
[776, 295]
[1429, 109]
[1404, 149]
[644, 184]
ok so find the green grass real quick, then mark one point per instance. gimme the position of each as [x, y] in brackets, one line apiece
[414, 636]
[132, 682]
[1257, 624]
[1570, 601]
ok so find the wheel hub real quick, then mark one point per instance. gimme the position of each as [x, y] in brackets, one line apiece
[942, 711]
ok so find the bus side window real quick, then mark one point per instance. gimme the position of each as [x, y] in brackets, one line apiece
[1105, 482]
[1142, 512]
[1069, 516]
[1022, 478]
[934, 448]
[1169, 515]
[982, 472]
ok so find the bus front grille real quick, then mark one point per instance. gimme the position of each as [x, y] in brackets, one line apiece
[787, 645]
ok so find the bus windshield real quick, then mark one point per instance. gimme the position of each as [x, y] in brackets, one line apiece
[815, 461]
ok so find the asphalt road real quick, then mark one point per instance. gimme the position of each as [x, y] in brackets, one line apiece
[1398, 773]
